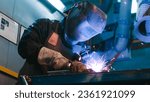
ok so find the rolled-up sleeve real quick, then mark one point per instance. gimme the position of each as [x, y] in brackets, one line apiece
[33, 39]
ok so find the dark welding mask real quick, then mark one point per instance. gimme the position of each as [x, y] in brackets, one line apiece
[83, 22]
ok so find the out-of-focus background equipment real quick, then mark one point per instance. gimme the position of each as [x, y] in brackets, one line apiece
[118, 55]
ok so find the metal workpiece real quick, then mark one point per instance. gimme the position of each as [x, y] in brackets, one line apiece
[140, 33]
[117, 77]
[140, 2]
[142, 28]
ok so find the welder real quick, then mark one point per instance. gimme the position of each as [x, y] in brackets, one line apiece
[50, 45]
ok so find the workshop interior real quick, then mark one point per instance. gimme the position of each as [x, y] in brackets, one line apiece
[122, 49]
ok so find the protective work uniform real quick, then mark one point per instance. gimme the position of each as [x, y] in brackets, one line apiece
[48, 45]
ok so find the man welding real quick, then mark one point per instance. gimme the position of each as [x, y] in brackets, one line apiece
[51, 45]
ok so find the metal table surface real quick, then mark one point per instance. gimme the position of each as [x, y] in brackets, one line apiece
[134, 77]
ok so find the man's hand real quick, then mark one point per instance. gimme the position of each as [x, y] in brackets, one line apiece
[57, 61]
[51, 58]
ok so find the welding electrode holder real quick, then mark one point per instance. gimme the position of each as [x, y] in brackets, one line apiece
[76, 57]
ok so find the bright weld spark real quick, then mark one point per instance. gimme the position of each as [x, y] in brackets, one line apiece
[96, 62]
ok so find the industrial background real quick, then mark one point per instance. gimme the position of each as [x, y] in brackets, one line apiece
[130, 21]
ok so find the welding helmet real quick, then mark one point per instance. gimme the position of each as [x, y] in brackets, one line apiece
[83, 22]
